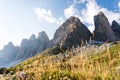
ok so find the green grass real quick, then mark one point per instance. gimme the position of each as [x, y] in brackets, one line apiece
[93, 63]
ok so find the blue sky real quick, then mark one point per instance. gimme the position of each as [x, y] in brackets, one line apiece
[21, 18]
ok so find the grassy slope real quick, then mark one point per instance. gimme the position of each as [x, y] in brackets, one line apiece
[93, 63]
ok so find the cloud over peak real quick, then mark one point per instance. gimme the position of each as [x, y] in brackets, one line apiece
[71, 11]
[89, 11]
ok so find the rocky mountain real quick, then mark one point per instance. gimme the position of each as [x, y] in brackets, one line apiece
[71, 33]
[8, 54]
[34, 45]
[29, 47]
[103, 31]
[116, 28]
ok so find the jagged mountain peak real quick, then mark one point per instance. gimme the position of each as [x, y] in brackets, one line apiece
[101, 13]
[114, 23]
[73, 19]
[43, 35]
[68, 24]
[10, 44]
[32, 37]
[24, 43]
[70, 33]
[116, 28]
[103, 31]
[28, 48]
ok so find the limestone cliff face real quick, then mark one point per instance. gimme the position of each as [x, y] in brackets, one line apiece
[70, 33]
[34, 45]
[8, 54]
[103, 31]
[28, 48]
[116, 28]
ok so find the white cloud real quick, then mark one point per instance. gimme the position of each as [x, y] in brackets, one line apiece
[91, 9]
[88, 13]
[60, 20]
[79, 1]
[47, 16]
[119, 4]
[71, 11]
[91, 28]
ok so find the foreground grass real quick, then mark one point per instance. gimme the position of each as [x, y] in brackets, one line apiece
[93, 63]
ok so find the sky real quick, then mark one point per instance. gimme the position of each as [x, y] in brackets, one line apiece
[21, 18]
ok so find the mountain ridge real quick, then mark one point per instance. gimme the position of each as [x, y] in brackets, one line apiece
[71, 33]
[28, 48]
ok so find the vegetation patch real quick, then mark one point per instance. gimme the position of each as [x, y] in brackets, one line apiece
[86, 64]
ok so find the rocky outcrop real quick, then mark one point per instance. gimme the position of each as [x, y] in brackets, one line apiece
[11, 54]
[34, 45]
[116, 28]
[43, 41]
[8, 54]
[70, 33]
[103, 31]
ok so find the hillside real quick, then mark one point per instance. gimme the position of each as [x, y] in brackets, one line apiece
[59, 40]
[91, 62]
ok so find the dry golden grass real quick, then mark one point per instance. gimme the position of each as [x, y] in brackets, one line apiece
[92, 63]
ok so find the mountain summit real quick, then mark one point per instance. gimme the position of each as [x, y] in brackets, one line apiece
[70, 33]
[11, 54]
[103, 31]
[116, 28]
